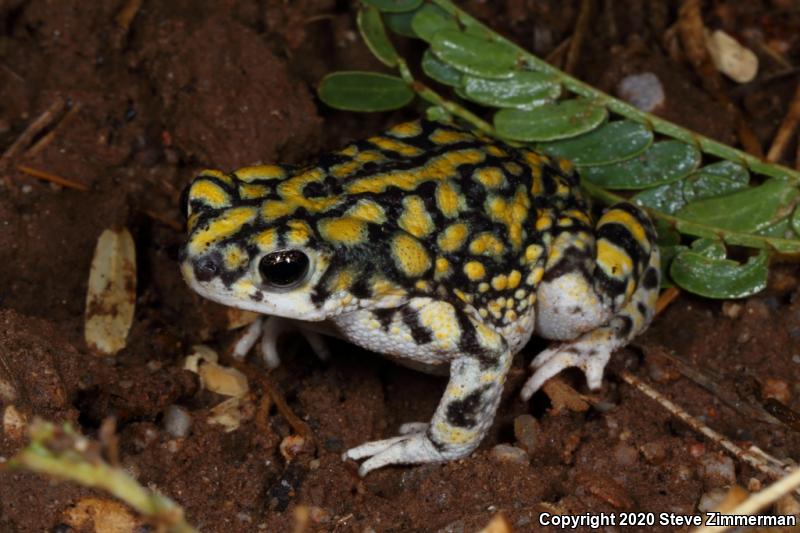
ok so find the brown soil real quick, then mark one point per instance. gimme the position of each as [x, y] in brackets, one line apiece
[225, 84]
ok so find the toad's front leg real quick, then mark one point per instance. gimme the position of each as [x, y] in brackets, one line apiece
[464, 414]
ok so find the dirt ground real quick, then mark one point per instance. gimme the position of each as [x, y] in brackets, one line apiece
[189, 84]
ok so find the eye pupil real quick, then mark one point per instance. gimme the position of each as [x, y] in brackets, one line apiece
[284, 269]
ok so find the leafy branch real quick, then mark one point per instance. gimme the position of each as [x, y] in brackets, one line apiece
[691, 185]
[63, 453]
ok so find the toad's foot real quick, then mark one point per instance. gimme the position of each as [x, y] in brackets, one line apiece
[590, 353]
[269, 329]
[413, 447]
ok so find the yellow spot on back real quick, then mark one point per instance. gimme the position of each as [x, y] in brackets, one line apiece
[224, 226]
[486, 244]
[291, 191]
[234, 257]
[500, 282]
[341, 280]
[448, 200]
[212, 173]
[368, 156]
[299, 232]
[272, 209]
[443, 136]
[410, 256]
[422, 285]
[489, 177]
[442, 266]
[406, 129]
[496, 151]
[513, 168]
[513, 279]
[565, 165]
[436, 169]
[345, 230]
[533, 252]
[393, 145]
[368, 211]
[267, 239]
[251, 191]
[543, 223]
[512, 213]
[350, 150]
[415, 219]
[618, 216]
[260, 172]
[483, 287]
[343, 170]
[384, 287]
[209, 193]
[453, 237]
[614, 260]
[474, 270]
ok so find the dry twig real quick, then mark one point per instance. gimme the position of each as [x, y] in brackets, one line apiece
[669, 295]
[41, 123]
[53, 178]
[786, 129]
[754, 456]
[581, 28]
[692, 33]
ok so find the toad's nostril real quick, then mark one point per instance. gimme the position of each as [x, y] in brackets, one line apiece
[207, 267]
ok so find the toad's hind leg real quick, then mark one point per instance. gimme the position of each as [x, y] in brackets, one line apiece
[596, 298]
[479, 364]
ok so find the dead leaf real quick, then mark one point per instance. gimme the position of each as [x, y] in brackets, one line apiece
[111, 296]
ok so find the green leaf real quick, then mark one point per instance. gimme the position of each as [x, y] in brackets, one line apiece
[430, 20]
[474, 55]
[438, 114]
[400, 23]
[524, 90]
[796, 220]
[719, 278]
[666, 198]
[668, 253]
[667, 235]
[710, 248]
[716, 179]
[364, 91]
[439, 70]
[549, 122]
[394, 6]
[744, 211]
[781, 229]
[372, 31]
[663, 162]
[610, 143]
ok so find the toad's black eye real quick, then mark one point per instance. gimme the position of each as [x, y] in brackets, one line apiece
[284, 269]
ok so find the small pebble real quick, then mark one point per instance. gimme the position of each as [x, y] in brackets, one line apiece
[223, 380]
[777, 389]
[527, 431]
[625, 454]
[717, 469]
[653, 452]
[14, 423]
[711, 499]
[731, 309]
[8, 393]
[177, 421]
[737, 62]
[318, 515]
[291, 446]
[505, 453]
[754, 484]
[643, 91]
